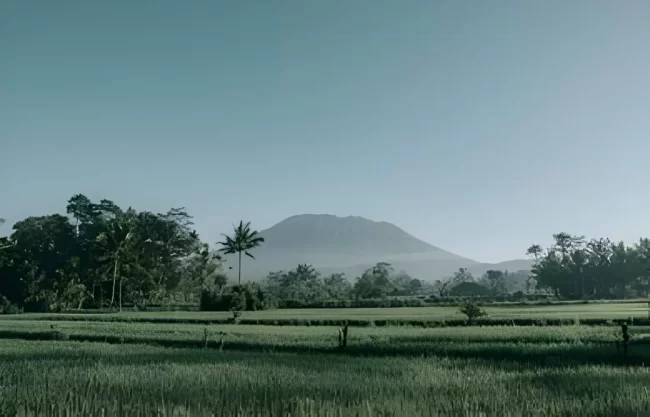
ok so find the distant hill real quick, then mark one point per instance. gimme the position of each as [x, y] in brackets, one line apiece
[431, 270]
[511, 266]
[350, 245]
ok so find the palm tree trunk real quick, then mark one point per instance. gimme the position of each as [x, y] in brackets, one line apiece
[115, 266]
[239, 268]
[120, 294]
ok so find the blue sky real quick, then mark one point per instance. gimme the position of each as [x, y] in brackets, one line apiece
[480, 127]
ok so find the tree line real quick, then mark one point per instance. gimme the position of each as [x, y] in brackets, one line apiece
[304, 286]
[573, 267]
[102, 256]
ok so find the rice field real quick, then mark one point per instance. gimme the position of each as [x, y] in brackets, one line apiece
[608, 311]
[119, 368]
[64, 378]
[319, 337]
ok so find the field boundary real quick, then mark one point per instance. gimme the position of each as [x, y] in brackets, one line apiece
[634, 321]
[606, 352]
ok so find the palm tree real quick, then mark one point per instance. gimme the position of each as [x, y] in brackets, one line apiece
[243, 240]
[114, 240]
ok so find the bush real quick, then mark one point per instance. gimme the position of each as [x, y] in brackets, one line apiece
[213, 301]
[246, 297]
[293, 303]
[6, 307]
[470, 289]
[518, 296]
[361, 303]
[472, 311]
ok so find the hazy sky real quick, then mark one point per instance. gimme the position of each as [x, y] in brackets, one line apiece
[478, 126]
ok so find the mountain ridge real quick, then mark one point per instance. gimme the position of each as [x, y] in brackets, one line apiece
[351, 244]
[358, 230]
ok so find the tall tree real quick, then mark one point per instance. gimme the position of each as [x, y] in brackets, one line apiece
[442, 287]
[573, 269]
[301, 283]
[462, 275]
[114, 240]
[63, 262]
[89, 224]
[161, 244]
[202, 271]
[599, 252]
[46, 245]
[14, 267]
[243, 240]
[496, 281]
[375, 282]
[82, 210]
[535, 251]
[337, 286]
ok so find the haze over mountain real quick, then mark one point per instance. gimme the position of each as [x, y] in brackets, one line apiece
[351, 245]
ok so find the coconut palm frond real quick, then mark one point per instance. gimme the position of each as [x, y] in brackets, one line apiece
[242, 240]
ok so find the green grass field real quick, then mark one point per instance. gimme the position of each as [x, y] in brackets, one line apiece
[70, 378]
[118, 368]
[564, 311]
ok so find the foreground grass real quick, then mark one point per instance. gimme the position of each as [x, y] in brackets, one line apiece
[366, 315]
[580, 344]
[327, 335]
[68, 375]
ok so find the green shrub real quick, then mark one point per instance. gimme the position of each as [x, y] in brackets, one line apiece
[468, 289]
[7, 307]
[245, 297]
[472, 311]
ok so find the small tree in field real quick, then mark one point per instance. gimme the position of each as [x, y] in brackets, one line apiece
[472, 311]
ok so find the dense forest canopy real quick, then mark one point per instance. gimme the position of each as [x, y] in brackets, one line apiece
[576, 268]
[101, 255]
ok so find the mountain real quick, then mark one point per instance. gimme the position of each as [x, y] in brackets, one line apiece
[511, 266]
[351, 245]
[350, 236]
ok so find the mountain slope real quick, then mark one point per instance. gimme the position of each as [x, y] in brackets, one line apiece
[512, 266]
[341, 244]
[344, 235]
[348, 244]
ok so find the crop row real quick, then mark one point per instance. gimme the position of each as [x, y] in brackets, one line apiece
[498, 342]
[539, 322]
[122, 380]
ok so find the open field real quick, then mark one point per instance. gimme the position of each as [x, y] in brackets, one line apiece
[413, 314]
[548, 334]
[412, 341]
[65, 378]
[185, 369]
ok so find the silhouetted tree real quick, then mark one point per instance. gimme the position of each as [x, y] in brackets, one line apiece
[535, 251]
[337, 286]
[375, 282]
[574, 269]
[114, 240]
[243, 240]
[496, 281]
[303, 283]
